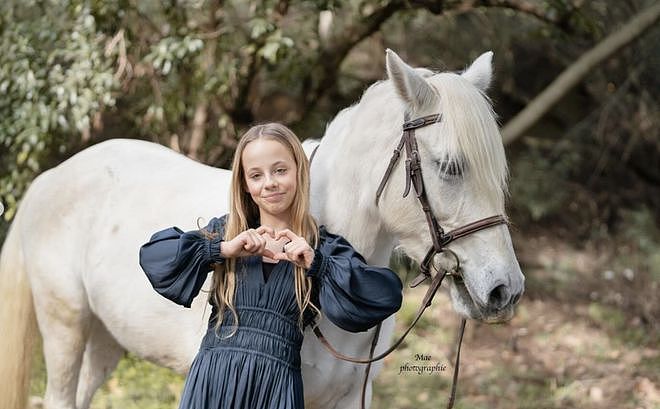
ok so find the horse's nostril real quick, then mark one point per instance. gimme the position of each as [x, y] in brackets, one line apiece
[499, 297]
[516, 298]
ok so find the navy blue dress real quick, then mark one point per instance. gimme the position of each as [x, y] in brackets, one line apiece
[259, 366]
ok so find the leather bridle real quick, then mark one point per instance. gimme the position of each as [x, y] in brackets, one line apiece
[439, 237]
[413, 170]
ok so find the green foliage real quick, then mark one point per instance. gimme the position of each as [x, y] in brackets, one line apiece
[158, 64]
[608, 317]
[61, 64]
[640, 229]
[640, 255]
[138, 384]
[54, 78]
[170, 51]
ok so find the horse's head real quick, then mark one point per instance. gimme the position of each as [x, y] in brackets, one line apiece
[464, 172]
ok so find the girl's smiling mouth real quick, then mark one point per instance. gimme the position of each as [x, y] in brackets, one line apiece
[274, 197]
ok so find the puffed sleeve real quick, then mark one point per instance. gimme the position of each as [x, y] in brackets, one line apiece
[352, 294]
[177, 263]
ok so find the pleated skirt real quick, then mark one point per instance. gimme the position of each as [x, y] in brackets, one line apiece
[253, 369]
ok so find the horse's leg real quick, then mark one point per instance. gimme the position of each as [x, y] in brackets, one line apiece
[64, 318]
[347, 393]
[335, 384]
[102, 353]
[351, 396]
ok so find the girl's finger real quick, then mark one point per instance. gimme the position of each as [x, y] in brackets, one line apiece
[266, 230]
[257, 239]
[309, 259]
[245, 241]
[300, 246]
[291, 247]
[296, 255]
[262, 244]
[286, 233]
[267, 253]
[253, 242]
[280, 256]
[303, 255]
[287, 247]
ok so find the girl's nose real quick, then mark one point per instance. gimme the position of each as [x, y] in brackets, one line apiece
[270, 181]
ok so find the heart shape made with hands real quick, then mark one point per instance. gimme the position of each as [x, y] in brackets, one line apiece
[275, 246]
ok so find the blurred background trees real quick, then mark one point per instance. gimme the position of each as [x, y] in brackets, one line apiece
[194, 74]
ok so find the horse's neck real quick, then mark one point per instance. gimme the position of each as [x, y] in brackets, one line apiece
[361, 228]
[343, 192]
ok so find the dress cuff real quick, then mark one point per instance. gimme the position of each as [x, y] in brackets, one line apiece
[214, 250]
[318, 265]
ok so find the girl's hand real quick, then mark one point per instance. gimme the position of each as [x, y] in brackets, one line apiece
[251, 242]
[297, 251]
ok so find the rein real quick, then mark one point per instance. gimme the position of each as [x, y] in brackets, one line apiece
[440, 239]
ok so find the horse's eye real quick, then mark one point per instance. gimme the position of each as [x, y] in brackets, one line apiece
[449, 169]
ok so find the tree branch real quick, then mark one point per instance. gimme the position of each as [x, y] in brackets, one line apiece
[520, 6]
[320, 82]
[572, 75]
[198, 131]
[241, 112]
[198, 128]
[526, 7]
[338, 47]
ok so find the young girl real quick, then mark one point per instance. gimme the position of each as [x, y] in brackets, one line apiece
[272, 268]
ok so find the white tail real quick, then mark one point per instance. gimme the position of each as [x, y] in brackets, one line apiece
[17, 324]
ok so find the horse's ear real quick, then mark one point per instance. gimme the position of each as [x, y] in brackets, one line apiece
[480, 72]
[409, 84]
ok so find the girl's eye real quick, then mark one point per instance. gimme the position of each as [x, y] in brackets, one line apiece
[255, 176]
[280, 171]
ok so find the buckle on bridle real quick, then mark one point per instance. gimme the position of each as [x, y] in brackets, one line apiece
[415, 123]
[454, 272]
[445, 239]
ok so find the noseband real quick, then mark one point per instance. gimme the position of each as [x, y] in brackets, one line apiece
[439, 238]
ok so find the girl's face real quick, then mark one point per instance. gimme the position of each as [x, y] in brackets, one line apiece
[270, 177]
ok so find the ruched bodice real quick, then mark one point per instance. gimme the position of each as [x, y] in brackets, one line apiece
[262, 332]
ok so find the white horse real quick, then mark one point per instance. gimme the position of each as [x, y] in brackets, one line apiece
[71, 255]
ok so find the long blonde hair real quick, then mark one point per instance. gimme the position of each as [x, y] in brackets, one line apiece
[243, 212]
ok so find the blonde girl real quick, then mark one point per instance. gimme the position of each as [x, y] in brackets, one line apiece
[274, 270]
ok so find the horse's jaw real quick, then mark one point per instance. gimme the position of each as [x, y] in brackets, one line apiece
[490, 282]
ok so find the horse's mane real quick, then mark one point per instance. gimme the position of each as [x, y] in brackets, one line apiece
[469, 135]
